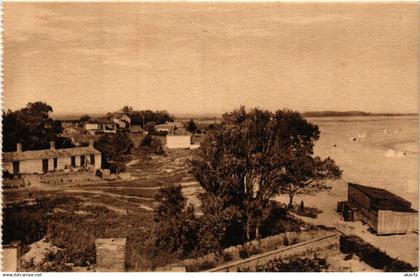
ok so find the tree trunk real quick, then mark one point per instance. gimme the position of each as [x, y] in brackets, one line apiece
[248, 231]
[290, 201]
[257, 230]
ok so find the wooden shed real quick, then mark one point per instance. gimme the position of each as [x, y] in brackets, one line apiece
[385, 212]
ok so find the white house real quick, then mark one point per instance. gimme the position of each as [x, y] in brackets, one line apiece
[178, 141]
[122, 120]
[101, 125]
[168, 127]
[42, 161]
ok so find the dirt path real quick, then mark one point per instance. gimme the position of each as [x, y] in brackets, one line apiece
[117, 197]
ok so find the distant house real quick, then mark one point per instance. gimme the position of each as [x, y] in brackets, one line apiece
[180, 131]
[101, 125]
[169, 127]
[42, 161]
[122, 120]
[385, 212]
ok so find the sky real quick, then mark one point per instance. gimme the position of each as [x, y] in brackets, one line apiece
[208, 58]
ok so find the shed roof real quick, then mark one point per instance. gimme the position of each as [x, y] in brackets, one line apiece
[382, 199]
[48, 153]
[170, 124]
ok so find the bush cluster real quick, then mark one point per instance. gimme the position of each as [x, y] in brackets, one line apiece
[372, 255]
[75, 233]
[294, 263]
[247, 251]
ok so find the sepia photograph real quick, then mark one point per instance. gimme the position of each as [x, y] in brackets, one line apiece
[210, 136]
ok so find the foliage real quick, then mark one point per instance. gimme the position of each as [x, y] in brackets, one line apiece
[176, 228]
[191, 126]
[153, 144]
[294, 263]
[23, 223]
[33, 127]
[84, 118]
[202, 265]
[75, 233]
[278, 221]
[206, 265]
[372, 255]
[144, 117]
[147, 141]
[251, 157]
[127, 109]
[114, 147]
[227, 256]
[54, 262]
[246, 251]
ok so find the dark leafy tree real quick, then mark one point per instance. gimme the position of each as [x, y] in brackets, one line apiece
[305, 173]
[191, 126]
[127, 110]
[114, 147]
[84, 118]
[142, 118]
[245, 161]
[33, 127]
[176, 228]
[153, 144]
[147, 141]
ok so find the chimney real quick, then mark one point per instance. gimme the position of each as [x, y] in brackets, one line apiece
[19, 147]
[52, 145]
[91, 143]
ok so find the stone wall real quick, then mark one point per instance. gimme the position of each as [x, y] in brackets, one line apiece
[60, 177]
[11, 257]
[263, 244]
[319, 245]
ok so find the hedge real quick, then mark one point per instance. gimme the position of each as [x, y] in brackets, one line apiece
[372, 255]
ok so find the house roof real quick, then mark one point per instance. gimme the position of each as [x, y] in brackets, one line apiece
[170, 124]
[48, 153]
[121, 116]
[382, 199]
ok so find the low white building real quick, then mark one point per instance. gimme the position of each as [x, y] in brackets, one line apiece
[101, 126]
[47, 160]
[178, 141]
[168, 127]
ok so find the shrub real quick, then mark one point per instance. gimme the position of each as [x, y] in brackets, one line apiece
[206, 265]
[294, 263]
[278, 221]
[372, 255]
[153, 144]
[201, 266]
[247, 251]
[227, 256]
[286, 241]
